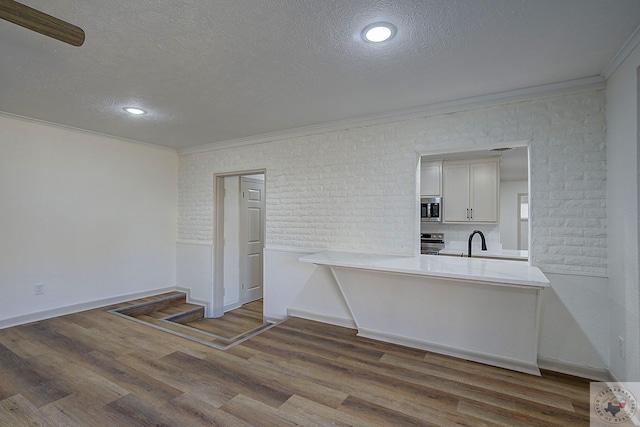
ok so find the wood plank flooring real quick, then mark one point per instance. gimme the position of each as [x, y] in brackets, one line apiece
[237, 322]
[169, 312]
[97, 369]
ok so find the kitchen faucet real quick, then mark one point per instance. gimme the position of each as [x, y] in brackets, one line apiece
[484, 242]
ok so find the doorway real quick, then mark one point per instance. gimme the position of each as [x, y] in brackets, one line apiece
[512, 230]
[238, 235]
[523, 221]
[251, 238]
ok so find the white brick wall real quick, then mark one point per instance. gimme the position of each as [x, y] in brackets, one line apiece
[356, 189]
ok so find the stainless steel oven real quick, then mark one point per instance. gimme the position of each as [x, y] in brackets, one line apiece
[431, 209]
[431, 243]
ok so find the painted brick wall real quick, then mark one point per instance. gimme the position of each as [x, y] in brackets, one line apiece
[356, 189]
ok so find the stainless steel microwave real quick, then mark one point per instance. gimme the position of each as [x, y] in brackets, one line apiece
[431, 209]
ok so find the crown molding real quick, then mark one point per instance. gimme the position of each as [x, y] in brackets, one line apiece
[530, 93]
[622, 54]
[80, 130]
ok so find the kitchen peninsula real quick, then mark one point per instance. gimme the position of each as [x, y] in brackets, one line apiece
[484, 310]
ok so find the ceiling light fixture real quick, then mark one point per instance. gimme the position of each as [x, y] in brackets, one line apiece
[378, 32]
[135, 111]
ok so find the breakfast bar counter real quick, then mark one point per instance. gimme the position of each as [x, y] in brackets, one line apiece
[484, 310]
[499, 272]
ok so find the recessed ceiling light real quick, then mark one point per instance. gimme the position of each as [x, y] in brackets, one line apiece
[135, 111]
[378, 32]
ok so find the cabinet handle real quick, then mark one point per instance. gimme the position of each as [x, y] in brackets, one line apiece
[467, 213]
[471, 213]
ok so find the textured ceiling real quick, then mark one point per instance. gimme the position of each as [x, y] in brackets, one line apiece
[210, 71]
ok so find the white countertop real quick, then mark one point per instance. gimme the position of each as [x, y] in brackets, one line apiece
[469, 269]
[507, 254]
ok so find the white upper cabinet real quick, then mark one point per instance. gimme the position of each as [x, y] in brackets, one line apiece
[456, 192]
[430, 179]
[470, 190]
[484, 191]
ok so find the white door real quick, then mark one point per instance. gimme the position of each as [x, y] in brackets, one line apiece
[251, 238]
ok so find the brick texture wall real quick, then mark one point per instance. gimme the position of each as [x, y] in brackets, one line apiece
[356, 189]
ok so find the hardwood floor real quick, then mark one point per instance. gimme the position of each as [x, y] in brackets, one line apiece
[171, 313]
[97, 369]
[237, 322]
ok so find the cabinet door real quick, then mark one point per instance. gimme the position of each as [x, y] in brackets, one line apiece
[455, 190]
[483, 192]
[430, 179]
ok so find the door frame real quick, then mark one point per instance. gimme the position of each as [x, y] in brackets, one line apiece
[243, 237]
[216, 294]
[519, 216]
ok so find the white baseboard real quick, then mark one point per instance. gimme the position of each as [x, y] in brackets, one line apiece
[466, 354]
[231, 307]
[273, 319]
[332, 320]
[192, 300]
[74, 308]
[186, 291]
[583, 371]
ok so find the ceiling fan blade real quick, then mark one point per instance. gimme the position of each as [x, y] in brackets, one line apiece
[40, 22]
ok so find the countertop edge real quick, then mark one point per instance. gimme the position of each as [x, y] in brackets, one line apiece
[322, 258]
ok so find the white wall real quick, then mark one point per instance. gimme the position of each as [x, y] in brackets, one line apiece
[355, 190]
[302, 289]
[194, 270]
[509, 220]
[574, 326]
[91, 217]
[622, 213]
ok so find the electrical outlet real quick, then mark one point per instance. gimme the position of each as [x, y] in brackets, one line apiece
[621, 346]
[39, 288]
